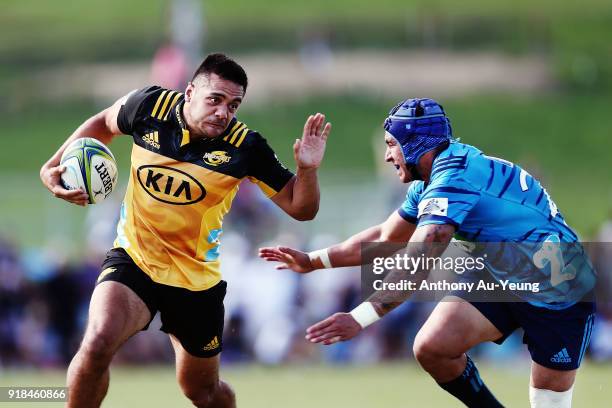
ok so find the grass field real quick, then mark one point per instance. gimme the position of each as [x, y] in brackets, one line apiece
[397, 385]
[56, 32]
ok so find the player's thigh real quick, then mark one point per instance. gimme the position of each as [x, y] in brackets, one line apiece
[116, 313]
[548, 379]
[454, 327]
[194, 318]
[194, 373]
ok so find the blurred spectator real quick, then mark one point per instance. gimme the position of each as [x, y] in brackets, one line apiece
[12, 302]
[188, 28]
[170, 68]
[601, 250]
[61, 294]
[315, 52]
[174, 59]
[601, 339]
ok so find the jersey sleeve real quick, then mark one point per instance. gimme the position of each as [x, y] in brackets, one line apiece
[138, 104]
[447, 201]
[265, 169]
[409, 208]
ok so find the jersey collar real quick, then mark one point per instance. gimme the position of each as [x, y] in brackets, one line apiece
[178, 113]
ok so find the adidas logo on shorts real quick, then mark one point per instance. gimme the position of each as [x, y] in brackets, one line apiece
[214, 343]
[561, 357]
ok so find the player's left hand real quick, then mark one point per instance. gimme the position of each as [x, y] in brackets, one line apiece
[308, 151]
[289, 258]
[338, 327]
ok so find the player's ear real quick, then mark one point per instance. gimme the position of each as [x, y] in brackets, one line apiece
[189, 92]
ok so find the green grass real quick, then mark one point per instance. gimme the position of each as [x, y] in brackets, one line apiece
[574, 36]
[396, 385]
[56, 31]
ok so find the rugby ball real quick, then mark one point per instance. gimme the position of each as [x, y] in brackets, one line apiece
[91, 166]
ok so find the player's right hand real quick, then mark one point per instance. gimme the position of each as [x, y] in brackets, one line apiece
[289, 258]
[309, 150]
[51, 178]
[337, 327]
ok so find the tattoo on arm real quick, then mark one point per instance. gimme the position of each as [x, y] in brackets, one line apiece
[431, 242]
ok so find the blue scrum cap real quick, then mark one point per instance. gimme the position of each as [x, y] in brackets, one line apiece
[419, 125]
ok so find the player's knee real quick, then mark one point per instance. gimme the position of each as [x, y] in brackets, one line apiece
[226, 395]
[99, 346]
[210, 396]
[201, 398]
[427, 349]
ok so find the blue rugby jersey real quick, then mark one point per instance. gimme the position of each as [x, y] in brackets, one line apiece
[497, 203]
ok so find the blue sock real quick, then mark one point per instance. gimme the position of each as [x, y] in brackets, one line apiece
[470, 389]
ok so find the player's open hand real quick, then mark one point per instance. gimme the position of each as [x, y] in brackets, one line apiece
[308, 151]
[50, 177]
[338, 327]
[289, 258]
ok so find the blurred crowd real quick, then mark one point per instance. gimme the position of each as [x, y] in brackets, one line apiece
[44, 300]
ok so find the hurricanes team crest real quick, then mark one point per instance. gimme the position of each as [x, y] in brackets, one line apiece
[216, 158]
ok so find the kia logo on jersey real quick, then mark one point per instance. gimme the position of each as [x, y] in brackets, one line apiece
[170, 186]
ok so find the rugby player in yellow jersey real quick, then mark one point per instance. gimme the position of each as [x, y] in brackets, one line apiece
[190, 153]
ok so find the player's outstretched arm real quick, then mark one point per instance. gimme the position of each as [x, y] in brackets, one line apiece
[102, 126]
[300, 197]
[429, 240]
[347, 253]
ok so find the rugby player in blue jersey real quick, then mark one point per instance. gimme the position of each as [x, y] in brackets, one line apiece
[459, 191]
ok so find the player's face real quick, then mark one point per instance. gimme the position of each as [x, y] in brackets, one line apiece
[210, 104]
[394, 155]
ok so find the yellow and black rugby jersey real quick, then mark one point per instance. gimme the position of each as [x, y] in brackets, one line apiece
[180, 189]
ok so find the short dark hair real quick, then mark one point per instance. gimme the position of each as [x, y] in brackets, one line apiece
[223, 66]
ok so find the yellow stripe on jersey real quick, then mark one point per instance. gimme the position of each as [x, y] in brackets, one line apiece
[159, 100]
[178, 95]
[237, 125]
[162, 111]
[237, 128]
[266, 189]
[235, 135]
[186, 137]
[239, 142]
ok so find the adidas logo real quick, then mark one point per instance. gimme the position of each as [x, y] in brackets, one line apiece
[561, 357]
[214, 343]
[152, 139]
